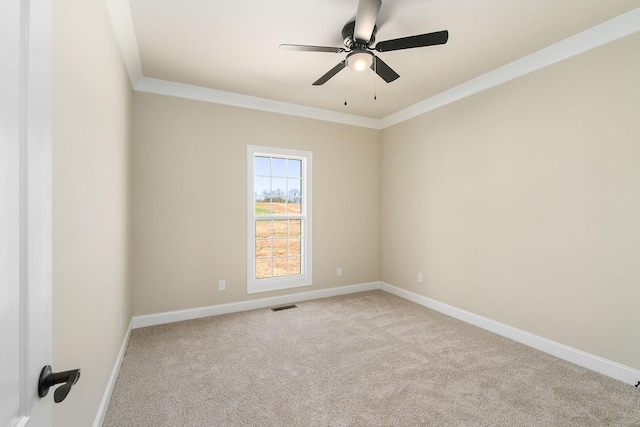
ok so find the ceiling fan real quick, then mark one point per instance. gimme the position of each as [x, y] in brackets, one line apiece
[359, 38]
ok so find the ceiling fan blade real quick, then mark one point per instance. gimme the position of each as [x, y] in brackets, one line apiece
[383, 70]
[366, 19]
[332, 72]
[430, 39]
[307, 48]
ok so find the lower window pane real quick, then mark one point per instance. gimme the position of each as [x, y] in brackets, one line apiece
[294, 247]
[280, 228]
[263, 229]
[264, 268]
[294, 265]
[279, 247]
[263, 248]
[295, 226]
[279, 266]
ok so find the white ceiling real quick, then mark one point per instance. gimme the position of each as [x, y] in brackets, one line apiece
[232, 45]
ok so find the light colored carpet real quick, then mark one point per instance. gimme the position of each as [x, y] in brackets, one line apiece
[367, 359]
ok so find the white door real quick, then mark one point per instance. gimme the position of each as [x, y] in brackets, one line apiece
[25, 209]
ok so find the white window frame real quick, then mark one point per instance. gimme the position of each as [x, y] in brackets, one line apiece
[286, 282]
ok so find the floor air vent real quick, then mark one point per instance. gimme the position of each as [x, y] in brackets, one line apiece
[284, 307]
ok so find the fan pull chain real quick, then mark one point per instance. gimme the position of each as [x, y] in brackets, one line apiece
[375, 80]
[345, 88]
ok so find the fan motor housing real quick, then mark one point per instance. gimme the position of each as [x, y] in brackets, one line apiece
[347, 36]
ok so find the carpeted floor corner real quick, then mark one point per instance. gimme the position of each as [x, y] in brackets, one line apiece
[366, 359]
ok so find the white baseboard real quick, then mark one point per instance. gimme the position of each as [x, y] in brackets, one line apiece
[578, 357]
[214, 310]
[106, 397]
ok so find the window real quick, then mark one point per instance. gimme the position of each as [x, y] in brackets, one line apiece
[279, 219]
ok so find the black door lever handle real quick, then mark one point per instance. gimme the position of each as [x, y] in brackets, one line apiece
[48, 379]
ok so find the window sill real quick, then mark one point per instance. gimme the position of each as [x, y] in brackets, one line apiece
[278, 284]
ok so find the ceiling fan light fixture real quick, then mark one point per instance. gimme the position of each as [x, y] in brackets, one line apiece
[359, 60]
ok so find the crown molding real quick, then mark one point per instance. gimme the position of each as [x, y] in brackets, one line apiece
[609, 31]
[199, 93]
[122, 23]
[599, 35]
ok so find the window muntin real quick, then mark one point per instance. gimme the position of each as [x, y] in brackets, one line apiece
[279, 220]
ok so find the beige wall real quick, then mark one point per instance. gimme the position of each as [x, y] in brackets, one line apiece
[91, 137]
[522, 203]
[190, 209]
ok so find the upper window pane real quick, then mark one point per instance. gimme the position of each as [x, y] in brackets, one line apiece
[294, 168]
[294, 190]
[263, 166]
[278, 167]
[263, 188]
[277, 186]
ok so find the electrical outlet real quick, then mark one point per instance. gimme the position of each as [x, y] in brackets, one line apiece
[420, 278]
[121, 320]
[222, 285]
[339, 271]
